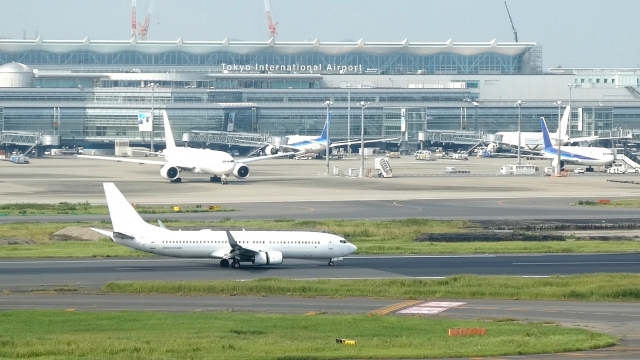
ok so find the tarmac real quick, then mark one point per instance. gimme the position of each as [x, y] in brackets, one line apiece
[71, 179]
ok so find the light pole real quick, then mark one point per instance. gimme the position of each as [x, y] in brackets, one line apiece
[519, 104]
[364, 105]
[560, 138]
[153, 86]
[349, 123]
[475, 120]
[328, 104]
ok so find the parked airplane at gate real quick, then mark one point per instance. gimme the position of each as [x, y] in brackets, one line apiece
[197, 161]
[256, 247]
[312, 144]
[574, 155]
[533, 140]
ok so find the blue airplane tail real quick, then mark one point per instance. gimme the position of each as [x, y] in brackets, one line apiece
[545, 134]
[323, 136]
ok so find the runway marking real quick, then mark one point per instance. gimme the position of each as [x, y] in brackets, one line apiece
[416, 256]
[395, 307]
[580, 263]
[98, 261]
[431, 307]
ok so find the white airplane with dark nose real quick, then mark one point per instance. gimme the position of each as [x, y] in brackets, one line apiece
[254, 247]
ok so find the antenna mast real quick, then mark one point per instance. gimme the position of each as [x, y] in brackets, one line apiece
[515, 32]
[273, 27]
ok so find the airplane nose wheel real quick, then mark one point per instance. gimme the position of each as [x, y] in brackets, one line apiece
[224, 263]
[235, 264]
[331, 263]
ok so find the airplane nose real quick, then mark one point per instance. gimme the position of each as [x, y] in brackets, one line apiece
[352, 248]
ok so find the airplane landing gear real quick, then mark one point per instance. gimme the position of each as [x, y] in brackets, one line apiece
[224, 263]
[589, 169]
[331, 263]
[235, 264]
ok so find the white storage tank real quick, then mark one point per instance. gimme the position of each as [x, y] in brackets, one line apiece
[16, 75]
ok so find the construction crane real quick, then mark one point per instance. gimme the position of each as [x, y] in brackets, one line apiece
[144, 28]
[273, 27]
[515, 32]
[134, 19]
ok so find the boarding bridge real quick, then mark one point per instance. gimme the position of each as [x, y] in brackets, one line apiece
[31, 139]
[227, 138]
[454, 137]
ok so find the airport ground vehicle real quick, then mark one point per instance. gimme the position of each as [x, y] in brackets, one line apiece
[578, 171]
[617, 168]
[424, 155]
[454, 170]
[524, 169]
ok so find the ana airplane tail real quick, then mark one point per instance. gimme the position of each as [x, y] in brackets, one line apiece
[325, 130]
[124, 218]
[563, 127]
[545, 134]
[168, 134]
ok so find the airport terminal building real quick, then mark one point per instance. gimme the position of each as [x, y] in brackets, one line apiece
[90, 93]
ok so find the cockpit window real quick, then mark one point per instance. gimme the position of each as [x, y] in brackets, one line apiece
[343, 241]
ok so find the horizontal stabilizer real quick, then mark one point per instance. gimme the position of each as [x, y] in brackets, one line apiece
[103, 232]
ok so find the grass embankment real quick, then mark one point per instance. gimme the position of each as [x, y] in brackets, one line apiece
[127, 335]
[599, 287]
[84, 208]
[628, 203]
[371, 237]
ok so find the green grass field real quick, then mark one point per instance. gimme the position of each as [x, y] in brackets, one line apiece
[371, 237]
[622, 203]
[211, 335]
[599, 287]
[65, 208]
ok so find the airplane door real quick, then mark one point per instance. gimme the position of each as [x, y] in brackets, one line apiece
[152, 245]
[330, 244]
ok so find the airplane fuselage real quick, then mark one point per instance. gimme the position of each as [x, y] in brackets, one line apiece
[308, 144]
[207, 244]
[203, 161]
[587, 156]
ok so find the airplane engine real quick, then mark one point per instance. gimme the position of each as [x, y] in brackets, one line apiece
[169, 172]
[268, 258]
[554, 163]
[271, 150]
[241, 171]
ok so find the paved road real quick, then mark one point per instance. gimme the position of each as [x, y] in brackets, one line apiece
[93, 273]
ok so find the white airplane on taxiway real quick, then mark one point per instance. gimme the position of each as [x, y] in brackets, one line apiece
[255, 247]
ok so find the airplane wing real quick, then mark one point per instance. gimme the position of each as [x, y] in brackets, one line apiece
[147, 152]
[351, 142]
[131, 160]
[252, 159]
[237, 249]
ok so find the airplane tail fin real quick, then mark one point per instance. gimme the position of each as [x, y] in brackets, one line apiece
[545, 134]
[124, 218]
[325, 130]
[168, 134]
[563, 127]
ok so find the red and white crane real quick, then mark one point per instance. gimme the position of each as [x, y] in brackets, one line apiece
[144, 28]
[134, 20]
[273, 27]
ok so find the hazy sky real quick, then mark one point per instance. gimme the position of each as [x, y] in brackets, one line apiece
[572, 33]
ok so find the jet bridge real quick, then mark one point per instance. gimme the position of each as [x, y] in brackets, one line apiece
[454, 137]
[228, 138]
[33, 140]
